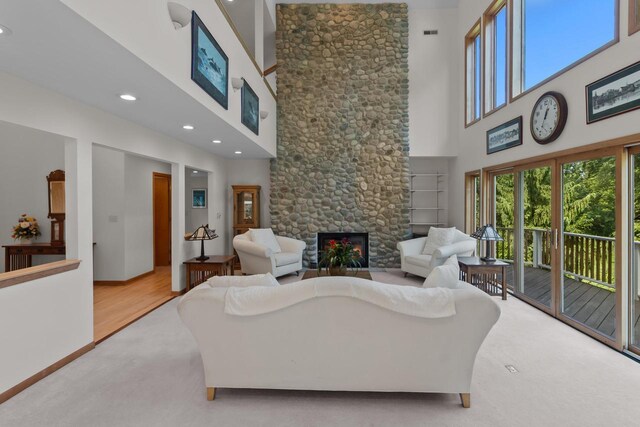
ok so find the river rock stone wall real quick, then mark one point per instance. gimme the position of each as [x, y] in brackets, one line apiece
[343, 125]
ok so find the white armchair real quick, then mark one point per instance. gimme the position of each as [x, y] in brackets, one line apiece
[413, 261]
[259, 259]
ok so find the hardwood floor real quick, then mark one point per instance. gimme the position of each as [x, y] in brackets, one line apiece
[115, 307]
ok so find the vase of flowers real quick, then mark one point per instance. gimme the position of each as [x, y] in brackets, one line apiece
[338, 257]
[26, 230]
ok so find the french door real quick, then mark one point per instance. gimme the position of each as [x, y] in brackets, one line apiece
[560, 220]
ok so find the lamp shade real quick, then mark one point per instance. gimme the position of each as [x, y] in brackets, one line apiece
[202, 233]
[486, 232]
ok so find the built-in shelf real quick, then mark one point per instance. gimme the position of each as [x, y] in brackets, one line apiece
[427, 223]
[428, 174]
[428, 196]
[427, 209]
[427, 191]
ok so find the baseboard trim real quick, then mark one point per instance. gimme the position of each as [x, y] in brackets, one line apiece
[178, 293]
[122, 282]
[45, 372]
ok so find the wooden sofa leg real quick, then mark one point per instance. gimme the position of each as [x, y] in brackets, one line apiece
[211, 393]
[466, 400]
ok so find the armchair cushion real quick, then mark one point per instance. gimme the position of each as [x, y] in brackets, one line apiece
[265, 237]
[419, 260]
[286, 258]
[437, 238]
[444, 276]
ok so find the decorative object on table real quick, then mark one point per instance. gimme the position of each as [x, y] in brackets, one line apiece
[505, 136]
[209, 63]
[338, 257]
[199, 198]
[202, 233]
[57, 202]
[250, 114]
[549, 117]
[634, 16]
[615, 94]
[488, 234]
[26, 230]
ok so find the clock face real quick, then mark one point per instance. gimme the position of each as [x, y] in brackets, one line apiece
[548, 118]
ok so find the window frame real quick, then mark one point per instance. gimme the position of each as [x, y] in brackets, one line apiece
[470, 200]
[516, 35]
[634, 17]
[469, 72]
[489, 55]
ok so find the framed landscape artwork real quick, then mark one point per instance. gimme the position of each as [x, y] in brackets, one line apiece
[209, 63]
[250, 113]
[505, 136]
[199, 197]
[615, 94]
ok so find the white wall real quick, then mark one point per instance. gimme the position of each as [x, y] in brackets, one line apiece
[572, 84]
[27, 156]
[433, 84]
[108, 214]
[45, 320]
[169, 52]
[138, 213]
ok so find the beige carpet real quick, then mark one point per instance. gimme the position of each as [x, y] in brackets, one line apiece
[150, 374]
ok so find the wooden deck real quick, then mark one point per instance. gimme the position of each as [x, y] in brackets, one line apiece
[590, 305]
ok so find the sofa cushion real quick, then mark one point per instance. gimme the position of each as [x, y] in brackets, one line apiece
[243, 281]
[445, 275]
[286, 258]
[437, 238]
[265, 237]
[419, 260]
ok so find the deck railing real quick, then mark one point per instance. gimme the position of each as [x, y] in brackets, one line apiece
[587, 258]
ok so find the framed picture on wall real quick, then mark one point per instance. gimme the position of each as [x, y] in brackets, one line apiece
[505, 136]
[199, 198]
[209, 63]
[250, 113]
[615, 94]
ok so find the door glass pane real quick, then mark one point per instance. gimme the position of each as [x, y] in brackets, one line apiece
[536, 237]
[588, 257]
[476, 202]
[635, 256]
[504, 221]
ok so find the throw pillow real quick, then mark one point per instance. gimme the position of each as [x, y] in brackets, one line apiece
[243, 281]
[265, 237]
[445, 275]
[437, 238]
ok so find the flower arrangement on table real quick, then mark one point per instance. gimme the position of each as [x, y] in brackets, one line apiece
[26, 229]
[339, 256]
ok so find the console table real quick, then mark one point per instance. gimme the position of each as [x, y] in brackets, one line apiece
[483, 275]
[20, 256]
[199, 271]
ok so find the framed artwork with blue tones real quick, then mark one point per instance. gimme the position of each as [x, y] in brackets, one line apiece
[250, 113]
[199, 198]
[209, 63]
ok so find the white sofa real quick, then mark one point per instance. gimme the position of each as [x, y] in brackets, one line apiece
[339, 343]
[414, 262]
[258, 259]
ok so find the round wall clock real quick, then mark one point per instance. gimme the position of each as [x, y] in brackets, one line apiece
[548, 118]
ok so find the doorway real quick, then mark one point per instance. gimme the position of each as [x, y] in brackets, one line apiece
[161, 219]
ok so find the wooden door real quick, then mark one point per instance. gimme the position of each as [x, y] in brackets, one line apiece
[161, 219]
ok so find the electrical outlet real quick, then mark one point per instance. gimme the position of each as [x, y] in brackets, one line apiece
[511, 369]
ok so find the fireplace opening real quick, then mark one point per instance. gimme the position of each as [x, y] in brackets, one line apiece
[360, 242]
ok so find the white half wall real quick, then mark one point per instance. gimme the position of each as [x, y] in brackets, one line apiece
[28, 156]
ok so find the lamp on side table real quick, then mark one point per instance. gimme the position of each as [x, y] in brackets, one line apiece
[202, 233]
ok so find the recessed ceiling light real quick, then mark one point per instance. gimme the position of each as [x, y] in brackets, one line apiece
[238, 152]
[188, 127]
[217, 141]
[4, 31]
[128, 97]
[195, 171]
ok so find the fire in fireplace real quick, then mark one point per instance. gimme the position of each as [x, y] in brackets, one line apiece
[360, 242]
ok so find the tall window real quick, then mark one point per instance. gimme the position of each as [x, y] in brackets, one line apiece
[549, 36]
[473, 67]
[472, 201]
[495, 36]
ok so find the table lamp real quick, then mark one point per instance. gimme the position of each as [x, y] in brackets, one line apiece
[489, 234]
[202, 233]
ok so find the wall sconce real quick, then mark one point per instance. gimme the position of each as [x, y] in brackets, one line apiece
[237, 83]
[180, 15]
[264, 114]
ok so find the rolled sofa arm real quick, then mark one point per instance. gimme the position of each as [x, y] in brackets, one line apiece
[246, 246]
[288, 244]
[464, 248]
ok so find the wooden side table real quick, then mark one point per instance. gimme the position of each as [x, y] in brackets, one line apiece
[19, 256]
[483, 275]
[199, 271]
